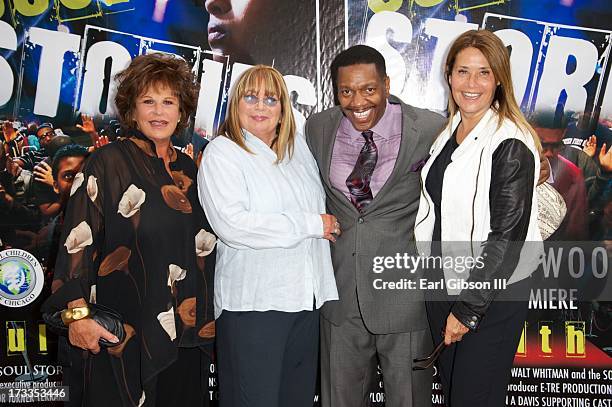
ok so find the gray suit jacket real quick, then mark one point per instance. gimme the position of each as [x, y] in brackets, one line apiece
[386, 227]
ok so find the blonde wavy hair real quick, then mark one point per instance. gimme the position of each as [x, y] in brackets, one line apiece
[496, 53]
[272, 82]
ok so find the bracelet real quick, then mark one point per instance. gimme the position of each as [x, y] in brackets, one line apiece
[70, 315]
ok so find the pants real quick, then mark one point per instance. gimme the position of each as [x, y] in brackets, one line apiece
[476, 370]
[350, 353]
[267, 359]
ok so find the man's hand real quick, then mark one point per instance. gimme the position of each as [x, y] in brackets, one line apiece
[43, 173]
[89, 127]
[8, 131]
[454, 330]
[100, 141]
[14, 166]
[605, 158]
[590, 146]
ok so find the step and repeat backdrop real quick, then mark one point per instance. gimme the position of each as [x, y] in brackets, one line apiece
[58, 59]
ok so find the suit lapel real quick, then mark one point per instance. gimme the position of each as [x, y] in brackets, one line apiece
[331, 128]
[410, 139]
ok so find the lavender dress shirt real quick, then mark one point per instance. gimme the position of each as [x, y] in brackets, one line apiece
[348, 144]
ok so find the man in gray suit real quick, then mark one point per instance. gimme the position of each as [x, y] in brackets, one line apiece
[369, 150]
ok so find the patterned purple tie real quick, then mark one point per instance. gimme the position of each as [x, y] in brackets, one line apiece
[358, 182]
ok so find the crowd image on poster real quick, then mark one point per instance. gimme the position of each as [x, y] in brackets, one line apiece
[57, 65]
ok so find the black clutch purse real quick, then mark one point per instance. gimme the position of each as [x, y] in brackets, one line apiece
[110, 320]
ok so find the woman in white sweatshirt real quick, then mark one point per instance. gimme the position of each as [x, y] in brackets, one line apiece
[260, 187]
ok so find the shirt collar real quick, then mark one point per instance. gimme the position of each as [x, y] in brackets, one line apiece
[257, 144]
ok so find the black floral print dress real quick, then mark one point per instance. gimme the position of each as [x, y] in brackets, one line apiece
[135, 239]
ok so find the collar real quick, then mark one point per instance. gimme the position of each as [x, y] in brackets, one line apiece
[490, 118]
[146, 145]
[257, 144]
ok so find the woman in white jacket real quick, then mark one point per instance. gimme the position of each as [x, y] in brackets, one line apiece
[478, 202]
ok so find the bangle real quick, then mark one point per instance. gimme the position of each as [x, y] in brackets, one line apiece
[70, 315]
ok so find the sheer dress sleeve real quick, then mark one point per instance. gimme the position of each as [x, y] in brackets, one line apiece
[82, 236]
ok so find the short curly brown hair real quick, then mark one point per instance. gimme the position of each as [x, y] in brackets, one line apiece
[156, 69]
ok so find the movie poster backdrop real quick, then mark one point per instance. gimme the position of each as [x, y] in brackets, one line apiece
[58, 59]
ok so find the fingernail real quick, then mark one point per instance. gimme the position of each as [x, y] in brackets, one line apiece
[115, 339]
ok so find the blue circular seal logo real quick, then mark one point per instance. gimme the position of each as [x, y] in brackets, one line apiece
[21, 278]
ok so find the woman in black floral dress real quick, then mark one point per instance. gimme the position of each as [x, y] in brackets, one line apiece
[136, 240]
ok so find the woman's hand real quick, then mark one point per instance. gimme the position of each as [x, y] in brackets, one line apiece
[454, 330]
[86, 333]
[331, 227]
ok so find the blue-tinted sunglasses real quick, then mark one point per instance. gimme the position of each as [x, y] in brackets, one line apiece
[269, 101]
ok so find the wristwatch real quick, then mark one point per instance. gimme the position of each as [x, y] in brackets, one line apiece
[70, 315]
